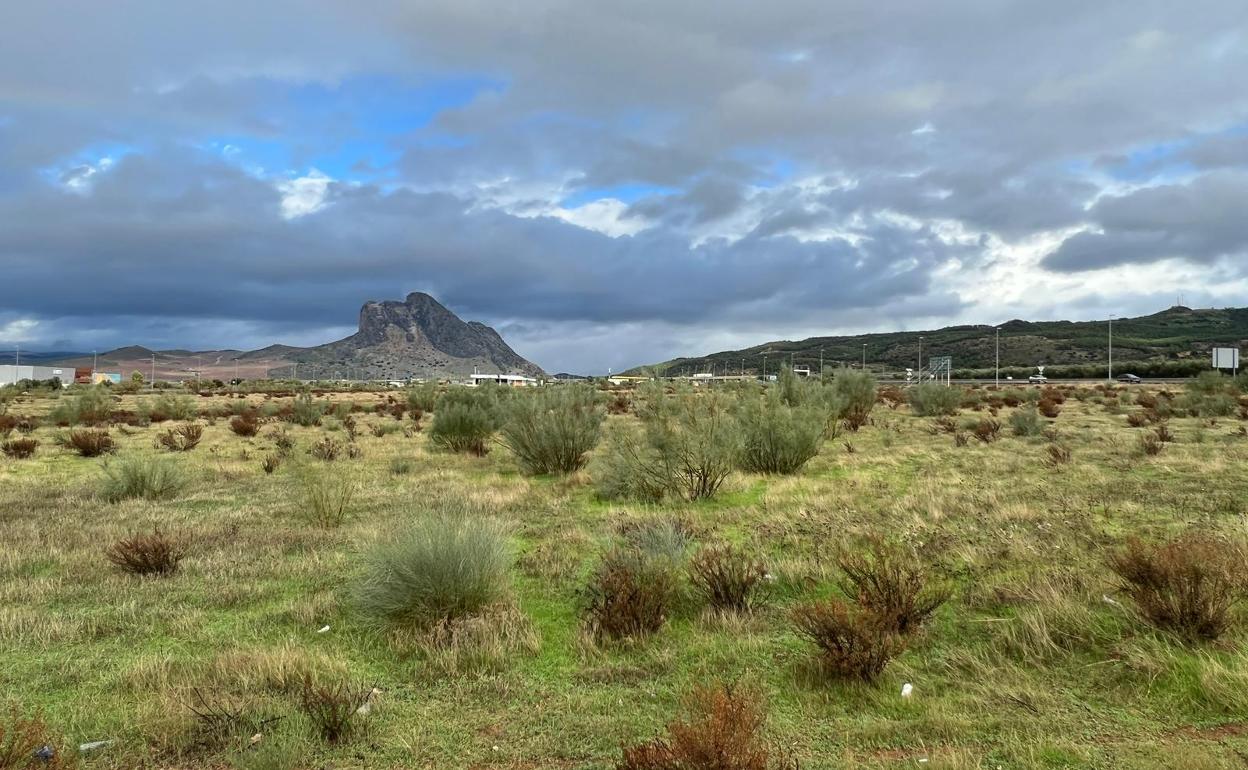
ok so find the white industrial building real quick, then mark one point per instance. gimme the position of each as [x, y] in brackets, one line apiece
[514, 380]
[10, 374]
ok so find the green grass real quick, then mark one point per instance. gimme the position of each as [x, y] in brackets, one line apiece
[1026, 666]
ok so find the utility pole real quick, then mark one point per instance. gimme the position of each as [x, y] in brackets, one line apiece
[17, 355]
[153, 370]
[743, 367]
[95, 363]
[820, 363]
[864, 356]
[920, 358]
[764, 367]
[1111, 348]
[997, 336]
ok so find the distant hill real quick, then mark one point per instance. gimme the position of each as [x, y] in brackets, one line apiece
[1178, 339]
[418, 337]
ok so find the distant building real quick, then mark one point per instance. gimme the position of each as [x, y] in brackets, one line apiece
[513, 380]
[11, 374]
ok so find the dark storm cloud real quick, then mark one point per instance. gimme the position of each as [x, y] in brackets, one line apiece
[1201, 221]
[173, 234]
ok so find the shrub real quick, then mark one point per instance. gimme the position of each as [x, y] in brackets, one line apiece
[630, 594]
[1026, 422]
[727, 578]
[91, 443]
[723, 731]
[167, 406]
[330, 705]
[327, 497]
[889, 583]
[1137, 419]
[400, 466]
[326, 449]
[1048, 408]
[445, 566]
[1164, 434]
[852, 643]
[7, 423]
[271, 463]
[24, 741]
[183, 438]
[987, 430]
[620, 403]
[91, 407]
[1151, 445]
[1057, 454]
[422, 398]
[552, 430]
[149, 478]
[1187, 586]
[245, 425]
[855, 391]
[777, 438]
[284, 442]
[687, 447]
[305, 410]
[19, 448]
[155, 554]
[464, 423]
[930, 399]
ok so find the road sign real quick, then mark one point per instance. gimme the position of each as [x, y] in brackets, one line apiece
[1226, 358]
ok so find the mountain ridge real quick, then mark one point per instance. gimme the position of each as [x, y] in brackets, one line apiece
[1176, 335]
[417, 337]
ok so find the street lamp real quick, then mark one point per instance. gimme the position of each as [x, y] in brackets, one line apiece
[1111, 348]
[997, 335]
[864, 356]
[920, 357]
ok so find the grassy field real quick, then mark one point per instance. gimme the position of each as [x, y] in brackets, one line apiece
[1035, 660]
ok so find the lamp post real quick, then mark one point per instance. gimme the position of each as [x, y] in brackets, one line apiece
[997, 335]
[864, 356]
[920, 357]
[1111, 348]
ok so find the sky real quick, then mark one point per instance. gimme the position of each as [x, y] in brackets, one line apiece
[613, 184]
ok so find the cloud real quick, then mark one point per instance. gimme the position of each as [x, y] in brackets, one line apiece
[681, 175]
[1200, 221]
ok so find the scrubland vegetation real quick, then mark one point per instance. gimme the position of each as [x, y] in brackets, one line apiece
[815, 575]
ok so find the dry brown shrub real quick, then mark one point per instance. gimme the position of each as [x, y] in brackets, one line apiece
[1187, 586]
[19, 448]
[853, 643]
[91, 443]
[723, 731]
[727, 577]
[888, 581]
[154, 554]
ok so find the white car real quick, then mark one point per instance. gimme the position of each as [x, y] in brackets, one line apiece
[1038, 378]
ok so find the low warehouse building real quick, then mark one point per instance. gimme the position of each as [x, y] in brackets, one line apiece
[11, 374]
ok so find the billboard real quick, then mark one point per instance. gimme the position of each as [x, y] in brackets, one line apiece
[1226, 358]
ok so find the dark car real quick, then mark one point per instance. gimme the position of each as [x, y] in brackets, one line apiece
[1133, 379]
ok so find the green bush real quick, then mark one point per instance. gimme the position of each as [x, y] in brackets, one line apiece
[168, 406]
[444, 566]
[687, 446]
[423, 397]
[777, 438]
[855, 390]
[149, 478]
[465, 422]
[306, 411]
[327, 496]
[1026, 422]
[90, 407]
[552, 430]
[930, 399]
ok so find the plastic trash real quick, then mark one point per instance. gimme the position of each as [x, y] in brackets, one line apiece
[45, 753]
[93, 745]
[322, 629]
[907, 690]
